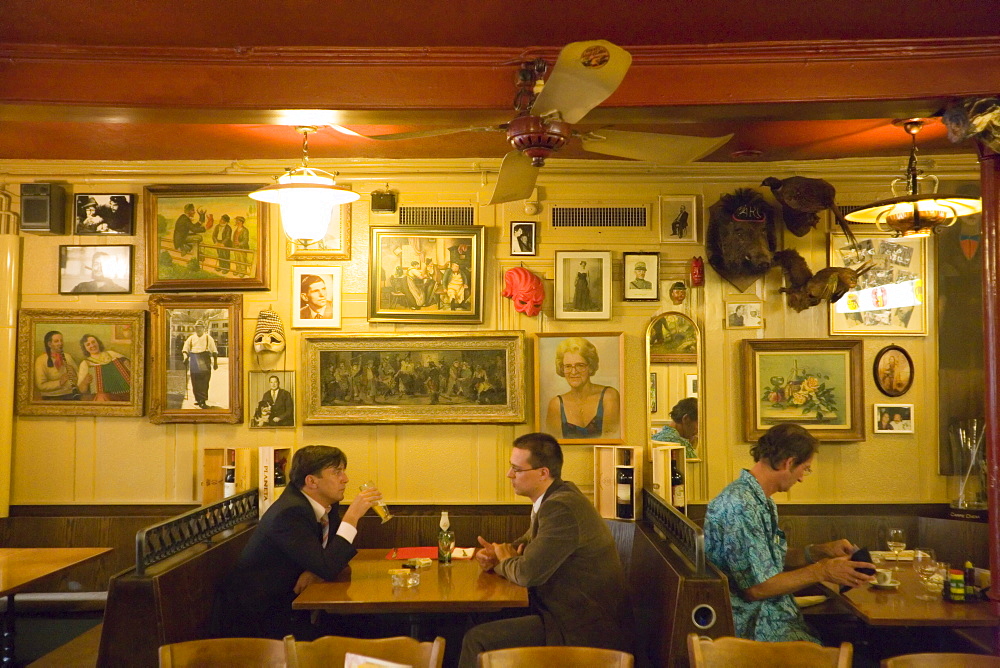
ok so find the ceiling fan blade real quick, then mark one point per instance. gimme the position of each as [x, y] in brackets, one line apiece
[516, 179]
[661, 148]
[416, 134]
[585, 74]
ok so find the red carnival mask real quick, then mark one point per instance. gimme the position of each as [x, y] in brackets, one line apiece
[525, 289]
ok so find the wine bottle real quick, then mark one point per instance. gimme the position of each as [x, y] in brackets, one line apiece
[229, 481]
[625, 476]
[446, 539]
[279, 474]
[677, 496]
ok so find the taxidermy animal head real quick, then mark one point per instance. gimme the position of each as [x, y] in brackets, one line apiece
[741, 240]
[805, 289]
[801, 198]
[525, 289]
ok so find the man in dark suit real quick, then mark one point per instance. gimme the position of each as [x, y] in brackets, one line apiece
[567, 560]
[277, 403]
[298, 541]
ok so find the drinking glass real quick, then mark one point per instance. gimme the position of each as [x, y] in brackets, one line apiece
[926, 567]
[896, 543]
[379, 506]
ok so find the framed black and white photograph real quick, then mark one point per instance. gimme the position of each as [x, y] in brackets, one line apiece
[678, 219]
[641, 279]
[893, 418]
[92, 270]
[100, 214]
[583, 285]
[316, 296]
[522, 237]
[272, 399]
[743, 313]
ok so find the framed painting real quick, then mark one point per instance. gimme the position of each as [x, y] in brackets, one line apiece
[104, 214]
[272, 397]
[691, 385]
[81, 362]
[893, 418]
[679, 219]
[579, 380]
[462, 377]
[893, 371]
[522, 237]
[205, 237]
[95, 270]
[813, 382]
[743, 313]
[641, 277]
[673, 337]
[316, 296]
[583, 285]
[426, 274]
[335, 245]
[890, 298]
[196, 362]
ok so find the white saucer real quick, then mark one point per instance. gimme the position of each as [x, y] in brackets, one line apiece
[892, 584]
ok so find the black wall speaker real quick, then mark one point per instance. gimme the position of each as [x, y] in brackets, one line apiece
[43, 208]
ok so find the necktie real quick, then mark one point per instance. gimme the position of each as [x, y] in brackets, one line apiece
[325, 523]
[534, 523]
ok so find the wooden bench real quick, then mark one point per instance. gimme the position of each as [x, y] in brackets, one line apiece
[167, 597]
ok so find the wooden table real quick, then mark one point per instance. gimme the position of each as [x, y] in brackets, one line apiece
[21, 567]
[365, 587]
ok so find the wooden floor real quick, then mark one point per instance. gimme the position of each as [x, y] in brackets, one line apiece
[80, 652]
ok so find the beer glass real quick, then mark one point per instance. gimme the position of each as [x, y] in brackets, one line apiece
[379, 506]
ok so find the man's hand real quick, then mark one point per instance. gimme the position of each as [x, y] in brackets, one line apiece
[361, 504]
[307, 578]
[835, 548]
[486, 555]
[842, 571]
[506, 551]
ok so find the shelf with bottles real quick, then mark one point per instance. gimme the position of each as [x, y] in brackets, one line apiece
[617, 481]
[218, 464]
[272, 474]
[670, 473]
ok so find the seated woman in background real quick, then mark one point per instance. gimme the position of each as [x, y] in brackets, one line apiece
[104, 374]
[587, 410]
[684, 427]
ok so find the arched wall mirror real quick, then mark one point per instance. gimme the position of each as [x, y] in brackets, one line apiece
[673, 364]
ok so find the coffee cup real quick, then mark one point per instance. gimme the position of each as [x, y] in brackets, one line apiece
[883, 576]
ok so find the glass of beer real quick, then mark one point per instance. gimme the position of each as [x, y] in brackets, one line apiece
[379, 506]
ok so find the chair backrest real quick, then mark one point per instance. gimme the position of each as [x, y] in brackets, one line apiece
[534, 657]
[944, 660]
[224, 653]
[330, 650]
[739, 653]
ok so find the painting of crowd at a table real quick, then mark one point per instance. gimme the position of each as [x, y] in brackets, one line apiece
[439, 378]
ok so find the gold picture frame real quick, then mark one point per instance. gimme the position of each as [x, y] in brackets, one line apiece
[487, 386]
[106, 382]
[180, 356]
[335, 245]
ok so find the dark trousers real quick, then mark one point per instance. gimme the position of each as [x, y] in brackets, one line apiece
[517, 632]
[200, 366]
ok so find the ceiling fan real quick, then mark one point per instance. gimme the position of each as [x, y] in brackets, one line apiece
[585, 74]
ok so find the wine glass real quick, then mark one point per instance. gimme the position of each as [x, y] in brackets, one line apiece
[896, 543]
[926, 567]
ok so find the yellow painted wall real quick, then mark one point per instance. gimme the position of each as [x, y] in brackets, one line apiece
[128, 460]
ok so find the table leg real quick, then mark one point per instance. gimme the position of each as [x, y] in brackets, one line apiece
[9, 619]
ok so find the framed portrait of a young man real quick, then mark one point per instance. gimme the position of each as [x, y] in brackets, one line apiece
[104, 214]
[95, 270]
[583, 285]
[205, 237]
[316, 297]
[272, 399]
[641, 279]
[81, 362]
[426, 274]
[196, 366]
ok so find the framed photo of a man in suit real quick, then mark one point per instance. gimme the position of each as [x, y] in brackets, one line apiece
[272, 399]
[316, 297]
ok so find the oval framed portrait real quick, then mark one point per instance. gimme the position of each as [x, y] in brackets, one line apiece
[893, 370]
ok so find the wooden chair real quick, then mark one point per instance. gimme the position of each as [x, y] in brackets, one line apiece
[224, 653]
[944, 660]
[739, 653]
[556, 656]
[330, 650]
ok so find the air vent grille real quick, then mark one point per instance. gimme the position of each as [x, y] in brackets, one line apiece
[437, 215]
[599, 216]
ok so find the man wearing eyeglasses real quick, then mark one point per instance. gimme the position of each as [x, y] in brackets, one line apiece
[742, 538]
[567, 560]
[298, 541]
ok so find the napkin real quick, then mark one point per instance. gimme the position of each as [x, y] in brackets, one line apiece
[405, 553]
[806, 601]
